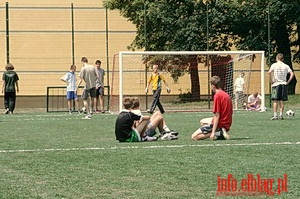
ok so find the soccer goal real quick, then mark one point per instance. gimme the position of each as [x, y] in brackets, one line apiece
[187, 74]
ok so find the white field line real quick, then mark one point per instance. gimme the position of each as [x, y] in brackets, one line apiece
[147, 147]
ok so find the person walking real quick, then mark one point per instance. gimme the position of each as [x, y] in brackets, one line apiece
[156, 78]
[10, 86]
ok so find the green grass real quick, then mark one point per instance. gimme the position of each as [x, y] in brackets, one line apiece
[57, 155]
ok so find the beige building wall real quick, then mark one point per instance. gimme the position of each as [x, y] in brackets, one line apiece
[40, 38]
[41, 44]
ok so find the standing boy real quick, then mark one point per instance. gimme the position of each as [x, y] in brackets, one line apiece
[10, 82]
[278, 76]
[89, 75]
[239, 90]
[100, 88]
[156, 78]
[70, 79]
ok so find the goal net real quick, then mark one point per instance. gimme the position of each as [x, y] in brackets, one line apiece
[187, 74]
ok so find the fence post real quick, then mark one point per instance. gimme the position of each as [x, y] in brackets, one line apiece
[7, 32]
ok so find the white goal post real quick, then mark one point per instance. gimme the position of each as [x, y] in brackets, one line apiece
[238, 61]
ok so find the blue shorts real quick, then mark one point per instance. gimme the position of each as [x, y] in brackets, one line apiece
[150, 131]
[100, 91]
[71, 95]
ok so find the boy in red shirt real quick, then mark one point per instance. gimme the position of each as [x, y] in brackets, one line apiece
[222, 120]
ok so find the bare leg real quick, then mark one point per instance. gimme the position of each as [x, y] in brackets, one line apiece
[87, 106]
[70, 104]
[101, 98]
[275, 107]
[198, 135]
[157, 121]
[281, 106]
[77, 104]
[142, 126]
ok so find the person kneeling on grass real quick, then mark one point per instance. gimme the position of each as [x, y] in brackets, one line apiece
[127, 131]
[216, 128]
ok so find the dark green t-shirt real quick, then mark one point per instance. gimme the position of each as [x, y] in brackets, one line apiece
[10, 78]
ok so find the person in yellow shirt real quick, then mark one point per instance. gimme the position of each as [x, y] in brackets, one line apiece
[156, 78]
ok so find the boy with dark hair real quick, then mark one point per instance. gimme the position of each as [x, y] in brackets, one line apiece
[99, 88]
[124, 126]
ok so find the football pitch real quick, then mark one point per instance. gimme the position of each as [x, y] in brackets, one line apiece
[57, 155]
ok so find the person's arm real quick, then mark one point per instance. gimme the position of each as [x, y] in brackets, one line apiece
[3, 86]
[215, 125]
[17, 86]
[63, 79]
[291, 77]
[271, 75]
[148, 83]
[168, 89]
[80, 80]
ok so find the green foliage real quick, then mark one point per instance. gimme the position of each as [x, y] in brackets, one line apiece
[178, 25]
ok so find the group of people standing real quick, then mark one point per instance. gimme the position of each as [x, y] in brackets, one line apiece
[93, 92]
[280, 75]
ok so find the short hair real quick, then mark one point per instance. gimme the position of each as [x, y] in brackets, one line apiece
[127, 102]
[242, 73]
[155, 65]
[9, 66]
[216, 81]
[135, 102]
[98, 62]
[72, 66]
[279, 57]
[84, 60]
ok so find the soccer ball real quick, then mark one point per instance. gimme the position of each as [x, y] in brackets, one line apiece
[290, 113]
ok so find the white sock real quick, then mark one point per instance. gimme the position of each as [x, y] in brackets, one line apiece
[166, 128]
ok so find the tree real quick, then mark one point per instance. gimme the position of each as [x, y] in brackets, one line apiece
[248, 25]
[182, 25]
[169, 25]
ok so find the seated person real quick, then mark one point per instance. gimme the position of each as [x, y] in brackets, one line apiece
[130, 127]
[216, 128]
[253, 102]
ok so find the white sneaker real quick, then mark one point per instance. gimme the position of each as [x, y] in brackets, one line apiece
[169, 136]
[225, 134]
[87, 117]
[149, 139]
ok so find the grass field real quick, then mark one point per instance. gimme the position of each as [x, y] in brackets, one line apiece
[57, 155]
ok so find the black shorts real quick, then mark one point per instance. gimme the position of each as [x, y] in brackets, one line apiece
[279, 93]
[218, 134]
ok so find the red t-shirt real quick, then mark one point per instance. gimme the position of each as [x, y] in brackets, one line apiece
[223, 106]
